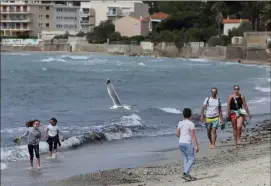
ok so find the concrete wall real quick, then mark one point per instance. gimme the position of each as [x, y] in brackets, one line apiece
[235, 52]
[146, 48]
[140, 9]
[73, 41]
[90, 48]
[256, 40]
[21, 42]
[55, 47]
[145, 31]
[11, 48]
[257, 54]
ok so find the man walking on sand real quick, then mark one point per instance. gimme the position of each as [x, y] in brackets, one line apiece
[213, 115]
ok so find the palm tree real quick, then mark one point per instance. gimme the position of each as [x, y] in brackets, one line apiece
[217, 8]
[265, 17]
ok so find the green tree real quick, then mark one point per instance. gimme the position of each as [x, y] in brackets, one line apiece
[244, 27]
[114, 36]
[153, 6]
[101, 32]
[252, 10]
[80, 34]
[265, 17]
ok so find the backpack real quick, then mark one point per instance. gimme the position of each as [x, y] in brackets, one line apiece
[207, 103]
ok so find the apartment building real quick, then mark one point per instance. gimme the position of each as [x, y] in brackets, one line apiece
[114, 10]
[66, 17]
[21, 18]
[87, 17]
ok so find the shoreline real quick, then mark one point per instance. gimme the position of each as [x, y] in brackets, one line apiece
[218, 58]
[225, 159]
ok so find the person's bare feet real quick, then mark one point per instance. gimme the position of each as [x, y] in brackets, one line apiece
[38, 167]
[212, 146]
[238, 142]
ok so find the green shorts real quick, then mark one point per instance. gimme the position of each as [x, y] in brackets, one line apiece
[212, 123]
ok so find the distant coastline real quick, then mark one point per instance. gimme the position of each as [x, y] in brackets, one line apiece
[217, 58]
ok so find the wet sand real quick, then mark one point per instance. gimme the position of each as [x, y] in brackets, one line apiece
[246, 164]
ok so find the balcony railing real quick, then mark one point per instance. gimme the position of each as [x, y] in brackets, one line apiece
[84, 21]
[112, 13]
[85, 12]
[15, 19]
[15, 28]
[15, 11]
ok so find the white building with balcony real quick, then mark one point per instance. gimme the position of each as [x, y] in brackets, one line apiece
[113, 10]
[66, 17]
[16, 18]
[29, 18]
[87, 17]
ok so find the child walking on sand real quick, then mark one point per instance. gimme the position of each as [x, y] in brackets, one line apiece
[186, 133]
[34, 136]
[52, 133]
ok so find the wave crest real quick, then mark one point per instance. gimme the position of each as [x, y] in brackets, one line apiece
[127, 126]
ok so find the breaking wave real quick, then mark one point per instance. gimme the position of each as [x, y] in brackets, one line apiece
[126, 127]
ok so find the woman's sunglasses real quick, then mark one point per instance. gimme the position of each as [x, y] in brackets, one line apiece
[236, 89]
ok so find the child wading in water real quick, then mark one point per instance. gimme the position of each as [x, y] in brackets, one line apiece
[186, 133]
[52, 132]
[34, 136]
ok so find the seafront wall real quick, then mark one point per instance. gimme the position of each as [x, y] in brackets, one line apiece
[147, 48]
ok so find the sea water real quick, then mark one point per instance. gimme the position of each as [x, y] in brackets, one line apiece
[72, 88]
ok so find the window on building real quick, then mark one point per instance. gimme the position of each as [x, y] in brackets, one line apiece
[47, 8]
[25, 8]
[40, 24]
[40, 7]
[47, 16]
[18, 8]
[18, 25]
[47, 25]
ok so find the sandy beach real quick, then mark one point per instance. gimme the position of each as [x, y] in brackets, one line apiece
[247, 164]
